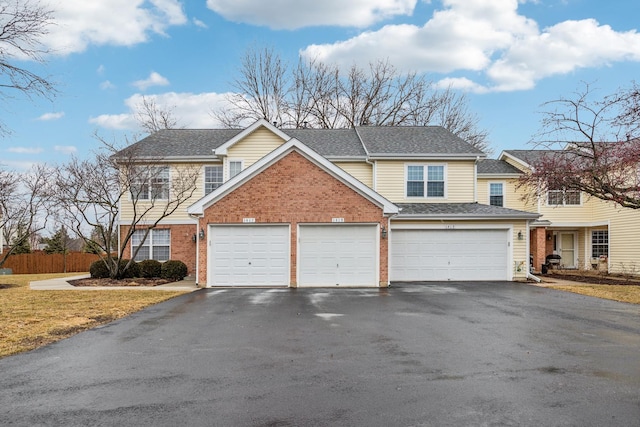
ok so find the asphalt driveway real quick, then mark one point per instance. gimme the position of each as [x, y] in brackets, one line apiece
[432, 354]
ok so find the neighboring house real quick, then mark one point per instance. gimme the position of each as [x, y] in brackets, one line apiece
[586, 232]
[339, 207]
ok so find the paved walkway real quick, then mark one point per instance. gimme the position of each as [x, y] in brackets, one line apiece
[61, 284]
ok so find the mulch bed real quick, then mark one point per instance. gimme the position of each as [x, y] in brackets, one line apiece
[123, 282]
[593, 279]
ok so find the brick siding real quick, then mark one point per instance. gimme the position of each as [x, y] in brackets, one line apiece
[292, 191]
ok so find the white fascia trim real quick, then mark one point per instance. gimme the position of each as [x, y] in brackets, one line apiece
[426, 156]
[293, 144]
[193, 221]
[222, 150]
[515, 159]
[578, 224]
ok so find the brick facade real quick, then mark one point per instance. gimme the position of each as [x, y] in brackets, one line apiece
[538, 239]
[293, 191]
[182, 248]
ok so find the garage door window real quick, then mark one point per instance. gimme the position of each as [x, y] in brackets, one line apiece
[156, 246]
[425, 180]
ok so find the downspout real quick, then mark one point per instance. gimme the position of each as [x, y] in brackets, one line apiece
[475, 180]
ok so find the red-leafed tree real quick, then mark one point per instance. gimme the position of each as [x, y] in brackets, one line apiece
[591, 145]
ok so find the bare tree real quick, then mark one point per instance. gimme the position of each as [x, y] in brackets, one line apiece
[592, 145]
[314, 94]
[24, 198]
[23, 24]
[90, 195]
[153, 118]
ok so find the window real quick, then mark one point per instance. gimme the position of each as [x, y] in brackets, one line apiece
[496, 194]
[212, 178]
[151, 184]
[599, 243]
[418, 186]
[156, 246]
[563, 197]
[235, 167]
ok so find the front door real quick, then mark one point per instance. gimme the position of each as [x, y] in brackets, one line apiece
[568, 250]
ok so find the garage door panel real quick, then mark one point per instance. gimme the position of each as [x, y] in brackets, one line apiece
[449, 255]
[333, 255]
[249, 255]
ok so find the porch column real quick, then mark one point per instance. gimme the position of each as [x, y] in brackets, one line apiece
[538, 247]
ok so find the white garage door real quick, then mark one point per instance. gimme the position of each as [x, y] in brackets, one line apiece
[338, 255]
[249, 255]
[449, 255]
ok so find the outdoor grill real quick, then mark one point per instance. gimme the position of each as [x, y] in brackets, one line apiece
[553, 260]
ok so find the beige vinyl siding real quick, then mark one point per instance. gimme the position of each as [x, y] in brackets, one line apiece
[512, 197]
[624, 237]
[254, 147]
[361, 171]
[519, 259]
[459, 181]
[180, 215]
[515, 164]
[568, 214]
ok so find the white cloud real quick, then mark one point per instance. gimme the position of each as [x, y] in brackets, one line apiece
[51, 116]
[292, 14]
[192, 110]
[490, 41]
[115, 121]
[80, 23]
[154, 79]
[107, 85]
[101, 69]
[199, 23]
[65, 149]
[24, 150]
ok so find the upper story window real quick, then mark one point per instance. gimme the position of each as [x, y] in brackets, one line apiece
[212, 178]
[425, 180]
[563, 197]
[235, 167]
[156, 246]
[599, 243]
[496, 194]
[151, 184]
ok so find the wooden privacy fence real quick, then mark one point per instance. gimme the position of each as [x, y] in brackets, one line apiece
[41, 263]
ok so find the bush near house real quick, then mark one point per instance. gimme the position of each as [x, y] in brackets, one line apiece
[99, 270]
[174, 270]
[150, 268]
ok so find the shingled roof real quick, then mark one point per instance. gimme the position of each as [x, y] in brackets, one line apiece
[531, 156]
[402, 141]
[496, 167]
[459, 211]
[374, 141]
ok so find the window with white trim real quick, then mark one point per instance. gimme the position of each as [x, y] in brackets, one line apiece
[563, 197]
[235, 167]
[599, 243]
[151, 184]
[156, 246]
[496, 194]
[425, 181]
[212, 178]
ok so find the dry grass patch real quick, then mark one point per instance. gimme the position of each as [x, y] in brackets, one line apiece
[622, 293]
[31, 319]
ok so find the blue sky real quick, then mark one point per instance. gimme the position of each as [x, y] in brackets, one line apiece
[509, 56]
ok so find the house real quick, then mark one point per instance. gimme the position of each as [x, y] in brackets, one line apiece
[338, 207]
[585, 232]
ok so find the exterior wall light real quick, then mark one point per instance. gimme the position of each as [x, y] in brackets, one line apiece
[194, 237]
[520, 236]
[201, 233]
[383, 232]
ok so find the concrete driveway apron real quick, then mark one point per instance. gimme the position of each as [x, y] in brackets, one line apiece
[442, 354]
